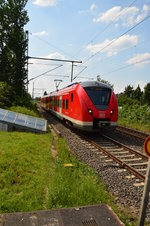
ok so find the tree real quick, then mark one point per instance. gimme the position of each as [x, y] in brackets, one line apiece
[137, 94]
[147, 94]
[13, 45]
[129, 91]
[5, 95]
[104, 81]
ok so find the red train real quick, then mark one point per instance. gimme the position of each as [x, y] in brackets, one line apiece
[86, 105]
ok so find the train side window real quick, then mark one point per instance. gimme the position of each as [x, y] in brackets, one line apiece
[71, 97]
[67, 104]
[63, 104]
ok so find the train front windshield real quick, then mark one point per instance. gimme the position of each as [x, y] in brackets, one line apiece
[99, 96]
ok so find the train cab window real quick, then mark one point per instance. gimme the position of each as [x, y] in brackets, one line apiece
[71, 97]
[67, 104]
[99, 96]
[63, 104]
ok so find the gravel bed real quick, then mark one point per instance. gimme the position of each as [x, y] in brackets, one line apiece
[126, 195]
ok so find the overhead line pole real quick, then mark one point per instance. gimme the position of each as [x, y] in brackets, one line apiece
[27, 52]
[43, 58]
[66, 61]
[72, 72]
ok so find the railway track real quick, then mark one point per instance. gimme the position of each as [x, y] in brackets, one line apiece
[127, 158]
[131, 132]
[123, 176]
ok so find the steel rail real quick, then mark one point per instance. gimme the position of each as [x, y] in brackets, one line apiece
[127, 148]
[116, 159]
[135, 133]
[120, 162]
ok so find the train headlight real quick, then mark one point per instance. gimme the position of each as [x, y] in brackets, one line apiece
[90, 111]
[111, 112]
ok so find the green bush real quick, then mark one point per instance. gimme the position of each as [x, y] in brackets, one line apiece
[135, 116]
[24, 110]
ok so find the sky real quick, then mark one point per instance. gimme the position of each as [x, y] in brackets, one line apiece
[107, 38]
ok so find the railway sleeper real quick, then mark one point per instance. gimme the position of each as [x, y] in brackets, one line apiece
[139, 164]
[125, 156]
[129, 160]
[120, 150]
[120, 153]
[142, 170]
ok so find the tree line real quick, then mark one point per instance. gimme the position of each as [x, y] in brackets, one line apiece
[13, 58]
[132, 96]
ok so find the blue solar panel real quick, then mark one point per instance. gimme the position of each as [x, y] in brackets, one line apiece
[2, 113]
[21, 119]
[10, 117]
[25, 121]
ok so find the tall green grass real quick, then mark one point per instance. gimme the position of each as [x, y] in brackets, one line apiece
[74, 185]
[24, 168]
[30, 179]
[78, 185]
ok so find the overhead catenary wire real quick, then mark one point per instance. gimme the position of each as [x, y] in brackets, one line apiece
[104, 59]
[127, 66]
[45, 73]
[116, 39]
[122, 50]
[109, 25]
[65, 76]
[79, 72]
[53, 46]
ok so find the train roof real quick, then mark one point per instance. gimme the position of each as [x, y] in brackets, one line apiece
[83, 84]
[94, 83]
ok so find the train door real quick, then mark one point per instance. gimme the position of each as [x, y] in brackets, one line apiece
[53, 100]
[71, 104]
[60, 105]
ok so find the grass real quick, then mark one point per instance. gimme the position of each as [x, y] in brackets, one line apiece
[79, 185]
[136, 126]
[30, 179]
[24, 110]
[74, 185]
[24, 170]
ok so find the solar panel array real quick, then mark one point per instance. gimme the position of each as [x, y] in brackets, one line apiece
[22, 121]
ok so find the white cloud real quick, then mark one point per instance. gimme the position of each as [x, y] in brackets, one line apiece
[109, 15]
[143, 14]
[128, 15]
[120, 44]
[41, 33]
[56, 55]
[92, 7]
[139, 60]
[45, 3]
[90, 10]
